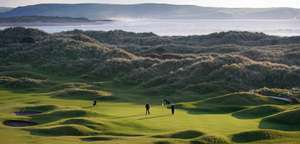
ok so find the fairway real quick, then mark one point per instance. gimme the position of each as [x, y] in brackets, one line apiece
[123, 119]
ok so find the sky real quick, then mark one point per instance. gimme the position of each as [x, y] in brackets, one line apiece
[210, 3]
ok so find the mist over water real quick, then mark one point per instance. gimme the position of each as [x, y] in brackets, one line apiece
[168, 27]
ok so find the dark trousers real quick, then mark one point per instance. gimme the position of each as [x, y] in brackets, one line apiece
[147, 111]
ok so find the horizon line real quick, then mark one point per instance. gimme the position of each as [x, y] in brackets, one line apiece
[158, 3]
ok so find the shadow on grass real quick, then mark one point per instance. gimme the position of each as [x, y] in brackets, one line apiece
[153, 117]
[215, 109]
[129, 116]
[239, 116]
[267, 125]
[97, 138]
[87, 107]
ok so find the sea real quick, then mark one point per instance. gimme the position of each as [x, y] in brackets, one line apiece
[177, 27]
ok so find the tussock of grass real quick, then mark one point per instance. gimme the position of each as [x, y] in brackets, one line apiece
[211, 139]
[188, 134]
[257, 112]
[251, 136]
[83, 94]
[65, 130]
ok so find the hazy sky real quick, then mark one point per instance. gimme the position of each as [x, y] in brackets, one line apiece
[212, 3]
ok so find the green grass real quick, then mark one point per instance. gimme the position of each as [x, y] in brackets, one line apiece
[39, 108]
[188, 134]
[211, 119]
[211, 139]
[243, 99]
[287, 120]
[86, 122]
[63, 130]
[259, 135]
[258, 111]
[84, 94]
[61, 84]
[290, 117]
[61, 114]
[210, 108]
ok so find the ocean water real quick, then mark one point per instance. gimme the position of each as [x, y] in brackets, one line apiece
[168, 27]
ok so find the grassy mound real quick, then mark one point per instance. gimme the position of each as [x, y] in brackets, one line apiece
[288, 119]
[66, 130]
[61, 114]
[291, 117]
[251, 136]
[85, 122]
[245, 99]
[71, 85]
[257, 112]
[39, 108]
[22, 74]
[211, 139]
[273, 92]
[83, 94]
[188, 134]
[212, 108]
[22, 83]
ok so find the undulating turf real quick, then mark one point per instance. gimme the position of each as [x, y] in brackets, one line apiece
[66, 115]
[258, 135]
[188, 134]
[63, 130]
[211, 139]
[258, 111]
[287, 120]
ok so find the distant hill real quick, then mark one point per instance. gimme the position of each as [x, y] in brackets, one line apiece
[44, 19]
[5, 9]
[108, 11]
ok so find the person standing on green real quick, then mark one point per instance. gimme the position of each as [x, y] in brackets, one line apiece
[94, 103]
[147, 106]
[173, 109]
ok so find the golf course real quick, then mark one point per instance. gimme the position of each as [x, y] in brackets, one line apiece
[119, 117]
[48, 83]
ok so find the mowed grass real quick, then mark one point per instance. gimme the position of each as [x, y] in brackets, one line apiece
[123, 120]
